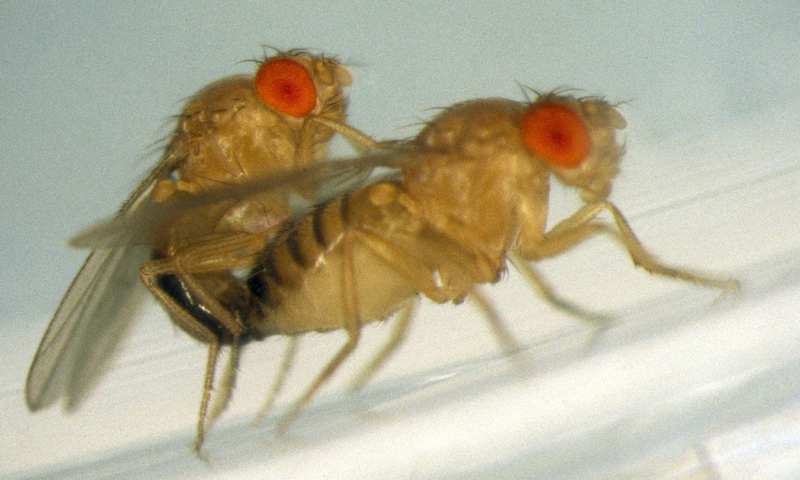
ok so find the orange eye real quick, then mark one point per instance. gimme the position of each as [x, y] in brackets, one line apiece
[286, 86]
[556, 134]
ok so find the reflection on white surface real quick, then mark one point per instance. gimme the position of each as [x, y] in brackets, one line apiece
[679, 386]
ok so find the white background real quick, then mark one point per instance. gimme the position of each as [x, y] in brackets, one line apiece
[680, 387]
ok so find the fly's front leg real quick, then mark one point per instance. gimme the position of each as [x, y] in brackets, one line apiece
[225, 385]
[643, 258]
[581, 225]
[361, 140]
[202, 311]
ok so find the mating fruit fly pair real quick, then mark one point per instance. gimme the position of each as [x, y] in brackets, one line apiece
[215, 233]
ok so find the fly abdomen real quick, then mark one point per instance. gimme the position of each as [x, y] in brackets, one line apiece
[300, 280]
[298, 248]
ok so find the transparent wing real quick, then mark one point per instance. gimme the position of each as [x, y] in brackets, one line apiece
[92, 318]
[326, 180]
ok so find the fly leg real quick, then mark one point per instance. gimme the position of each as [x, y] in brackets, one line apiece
[277, 385]
[507, 341]
[538, 284]
[352, 326]
[360, 140]
[581, 225]
[459, 283]
[417, 273]
[397, 337]
[224, 324]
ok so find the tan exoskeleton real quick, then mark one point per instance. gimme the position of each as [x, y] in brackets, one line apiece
[238, 129]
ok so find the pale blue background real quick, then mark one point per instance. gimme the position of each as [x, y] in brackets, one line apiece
[86, 88]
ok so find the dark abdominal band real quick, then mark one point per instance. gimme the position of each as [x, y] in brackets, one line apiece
[290, 238]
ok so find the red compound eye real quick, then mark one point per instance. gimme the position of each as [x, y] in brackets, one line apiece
[556, 134]
[286, 86]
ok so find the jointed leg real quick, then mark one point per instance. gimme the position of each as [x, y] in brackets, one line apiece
[283, 372]
[398, 335]
[509, 344]
[643, 258]
[225, 385]
[581, 225]
[149, 272]
[417, 273]
[541, 287]
[356, 137]
[173, 266]
[352, 325]
[208, 386]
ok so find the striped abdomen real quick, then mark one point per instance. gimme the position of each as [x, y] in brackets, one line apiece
[299, 281]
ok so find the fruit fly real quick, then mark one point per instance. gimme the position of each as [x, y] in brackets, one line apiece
[473, 194]
[239, 129]
[468, 193]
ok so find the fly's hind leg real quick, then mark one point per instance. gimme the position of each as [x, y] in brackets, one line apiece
[398, 335]
[352, 326]
[408, 266]
[423, 277]
[155, 269]
[417, 274]
[277, 385]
